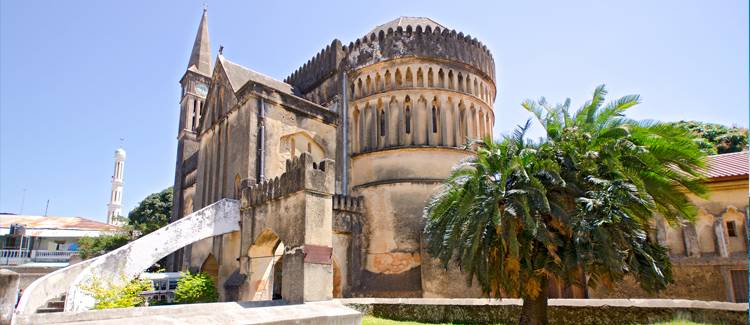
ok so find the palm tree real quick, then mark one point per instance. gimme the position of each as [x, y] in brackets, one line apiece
[579, 201]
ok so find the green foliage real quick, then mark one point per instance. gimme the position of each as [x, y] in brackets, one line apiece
[195, 288]
[90, 247]
[579, 201]
[109, 295]
[152, 213]
[716, 138]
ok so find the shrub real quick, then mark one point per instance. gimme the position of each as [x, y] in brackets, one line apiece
[195, 288]
[90, 247]
[109, 295]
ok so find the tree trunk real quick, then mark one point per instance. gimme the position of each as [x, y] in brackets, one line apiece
[534, 310]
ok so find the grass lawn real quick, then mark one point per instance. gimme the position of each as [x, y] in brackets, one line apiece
[371, 320]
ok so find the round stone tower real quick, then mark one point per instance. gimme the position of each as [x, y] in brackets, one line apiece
[417, 92]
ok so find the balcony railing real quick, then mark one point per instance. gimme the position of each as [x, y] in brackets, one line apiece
[22, 256]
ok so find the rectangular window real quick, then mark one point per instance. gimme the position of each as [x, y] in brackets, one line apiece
[739, 285]
[731, 229]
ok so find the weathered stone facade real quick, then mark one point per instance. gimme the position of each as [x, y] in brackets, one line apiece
[709, 256]
[393, 110]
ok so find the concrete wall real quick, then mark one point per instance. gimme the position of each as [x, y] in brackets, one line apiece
[326, 312]
[8, 294]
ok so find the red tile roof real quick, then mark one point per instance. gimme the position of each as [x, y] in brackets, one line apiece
[727, 165]
[42, 222]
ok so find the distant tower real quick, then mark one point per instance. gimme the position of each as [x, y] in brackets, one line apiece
[114, 208]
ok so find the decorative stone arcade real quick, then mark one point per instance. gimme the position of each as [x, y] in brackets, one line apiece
[295, 210]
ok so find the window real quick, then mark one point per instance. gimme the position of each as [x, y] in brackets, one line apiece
[382, 123]
[731, 229]
[434, 120]
[407, 120]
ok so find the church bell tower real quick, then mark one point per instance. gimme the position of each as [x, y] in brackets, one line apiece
[194, 83]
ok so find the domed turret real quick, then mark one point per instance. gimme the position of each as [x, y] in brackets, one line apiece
[120, 154]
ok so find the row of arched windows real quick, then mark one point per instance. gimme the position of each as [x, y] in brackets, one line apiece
[419, 76]
[406, 121]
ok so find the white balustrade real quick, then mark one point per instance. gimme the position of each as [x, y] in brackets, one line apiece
[16, 256]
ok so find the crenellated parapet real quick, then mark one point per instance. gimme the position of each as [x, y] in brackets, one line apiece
[302, 173]
[387, 44]
[318, 68]
[348, 203]
[347, 213]
[419, 41]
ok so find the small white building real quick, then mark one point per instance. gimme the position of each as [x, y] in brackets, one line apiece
[45, 239]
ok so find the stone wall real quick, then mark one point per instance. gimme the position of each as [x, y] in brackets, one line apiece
[561, 311]
[693, 281]
[293, 211]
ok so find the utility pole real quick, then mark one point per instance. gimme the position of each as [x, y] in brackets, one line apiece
[46, 208]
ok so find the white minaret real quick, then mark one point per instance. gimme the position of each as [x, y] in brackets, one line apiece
[114, 208]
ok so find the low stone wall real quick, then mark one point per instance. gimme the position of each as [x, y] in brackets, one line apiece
[246, 313]
[561, 311]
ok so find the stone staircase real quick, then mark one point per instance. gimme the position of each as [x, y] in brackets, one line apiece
[55, 305]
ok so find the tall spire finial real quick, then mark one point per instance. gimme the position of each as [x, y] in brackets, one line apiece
[200, 58]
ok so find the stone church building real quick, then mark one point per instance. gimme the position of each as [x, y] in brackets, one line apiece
[393, 110]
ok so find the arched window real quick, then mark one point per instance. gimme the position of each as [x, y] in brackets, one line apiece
[420, 78]
[399, 82]
[430, 81]
[359, 88]
[409, 78]
[237, 186]
[355, 130]
[441, 78]
[195, 116]
[382, 123]
[407, 119]
[387, 79]
[434, 120]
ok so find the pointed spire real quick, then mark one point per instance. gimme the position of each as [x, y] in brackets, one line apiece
[200, 58]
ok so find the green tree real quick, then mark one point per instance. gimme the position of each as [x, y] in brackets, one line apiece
[579, 201]
[89, 247]
[152, 213]
[716, 138]
[109, 295]
[195, 288]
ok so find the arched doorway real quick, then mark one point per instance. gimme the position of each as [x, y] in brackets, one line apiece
[211, 267]
[265, 258]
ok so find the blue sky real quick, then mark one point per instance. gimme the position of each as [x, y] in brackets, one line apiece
[75, 76]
